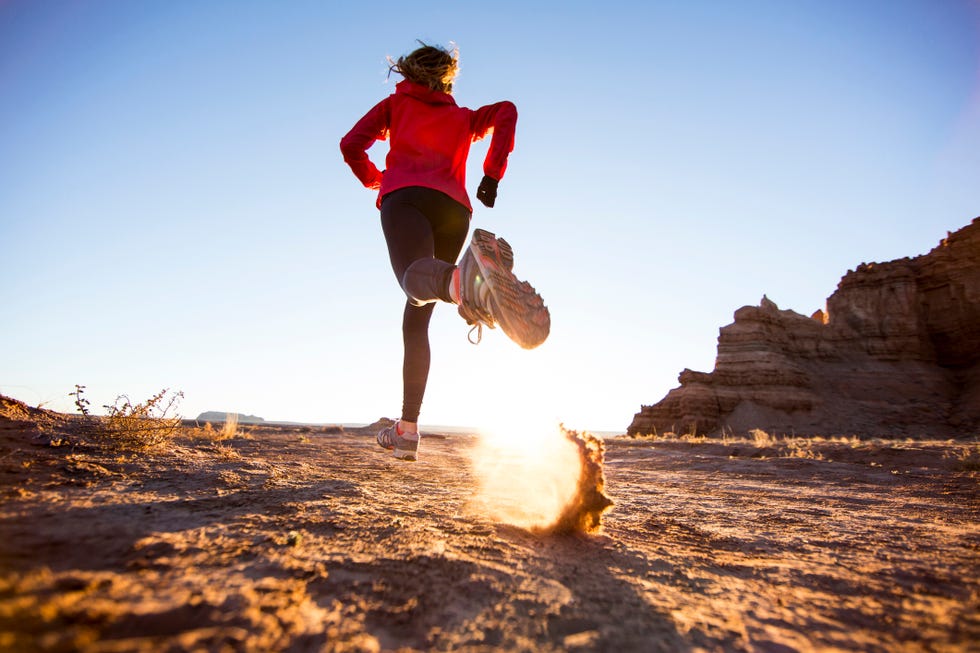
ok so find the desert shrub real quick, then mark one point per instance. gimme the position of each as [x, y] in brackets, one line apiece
[81, 402]
[140, 426]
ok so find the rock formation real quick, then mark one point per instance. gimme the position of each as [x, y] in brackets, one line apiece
[896, 353]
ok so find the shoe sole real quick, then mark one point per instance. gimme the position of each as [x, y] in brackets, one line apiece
[520, 311]
[408, 456]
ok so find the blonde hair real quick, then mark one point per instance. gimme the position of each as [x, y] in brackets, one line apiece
[430, 65]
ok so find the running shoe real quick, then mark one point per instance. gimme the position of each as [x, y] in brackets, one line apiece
[404, 445]
[490, 294]
[474, 296]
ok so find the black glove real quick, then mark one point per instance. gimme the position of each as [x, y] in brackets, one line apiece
[487, 192]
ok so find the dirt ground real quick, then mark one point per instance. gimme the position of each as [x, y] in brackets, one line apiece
[300, 539]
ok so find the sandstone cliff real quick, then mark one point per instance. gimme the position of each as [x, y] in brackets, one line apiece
[895, 353]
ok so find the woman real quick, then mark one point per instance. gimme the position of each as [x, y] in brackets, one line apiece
[425, 216]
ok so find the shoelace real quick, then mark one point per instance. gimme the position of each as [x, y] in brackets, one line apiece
[478, 327]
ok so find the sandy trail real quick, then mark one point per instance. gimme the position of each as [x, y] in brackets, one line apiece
[298, 540]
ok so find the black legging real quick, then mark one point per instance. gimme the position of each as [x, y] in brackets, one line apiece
[425, 231]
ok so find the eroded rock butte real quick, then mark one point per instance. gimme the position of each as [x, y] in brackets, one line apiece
[896, 353]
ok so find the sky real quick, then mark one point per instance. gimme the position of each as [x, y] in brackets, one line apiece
[175, 211]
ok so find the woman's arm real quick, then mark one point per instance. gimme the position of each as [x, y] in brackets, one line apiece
[499, 119]
[354, 146]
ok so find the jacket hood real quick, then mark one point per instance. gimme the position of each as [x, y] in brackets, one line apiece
[423, 93]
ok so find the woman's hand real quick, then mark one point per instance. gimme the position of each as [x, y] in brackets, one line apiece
[487, 192]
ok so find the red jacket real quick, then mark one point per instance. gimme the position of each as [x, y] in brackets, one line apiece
[430, 140]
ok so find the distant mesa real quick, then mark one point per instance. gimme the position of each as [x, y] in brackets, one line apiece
[219, 416]
[896, 353]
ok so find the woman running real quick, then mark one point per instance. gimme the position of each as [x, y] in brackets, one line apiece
[425, 216]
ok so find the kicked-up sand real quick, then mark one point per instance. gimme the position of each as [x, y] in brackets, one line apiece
[306, 539]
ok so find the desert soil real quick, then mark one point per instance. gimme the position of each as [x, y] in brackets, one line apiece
[296, 539]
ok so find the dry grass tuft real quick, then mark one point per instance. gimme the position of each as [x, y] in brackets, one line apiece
[968, 456]
[230, 428]
[135, 427]
[761, 438]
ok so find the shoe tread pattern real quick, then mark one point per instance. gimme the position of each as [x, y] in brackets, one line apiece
[516, 306]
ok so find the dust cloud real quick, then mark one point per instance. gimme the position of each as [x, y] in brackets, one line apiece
[547, 479]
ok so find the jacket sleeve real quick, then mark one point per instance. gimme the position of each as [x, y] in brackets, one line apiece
[499, 119]
[354, 146]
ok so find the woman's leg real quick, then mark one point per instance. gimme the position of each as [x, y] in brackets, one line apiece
[425, 231]
[415, 366]
[410, 218]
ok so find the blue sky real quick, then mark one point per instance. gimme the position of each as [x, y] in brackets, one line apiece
[175, 212]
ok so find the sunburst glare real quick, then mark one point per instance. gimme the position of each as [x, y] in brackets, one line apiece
[527, 470]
